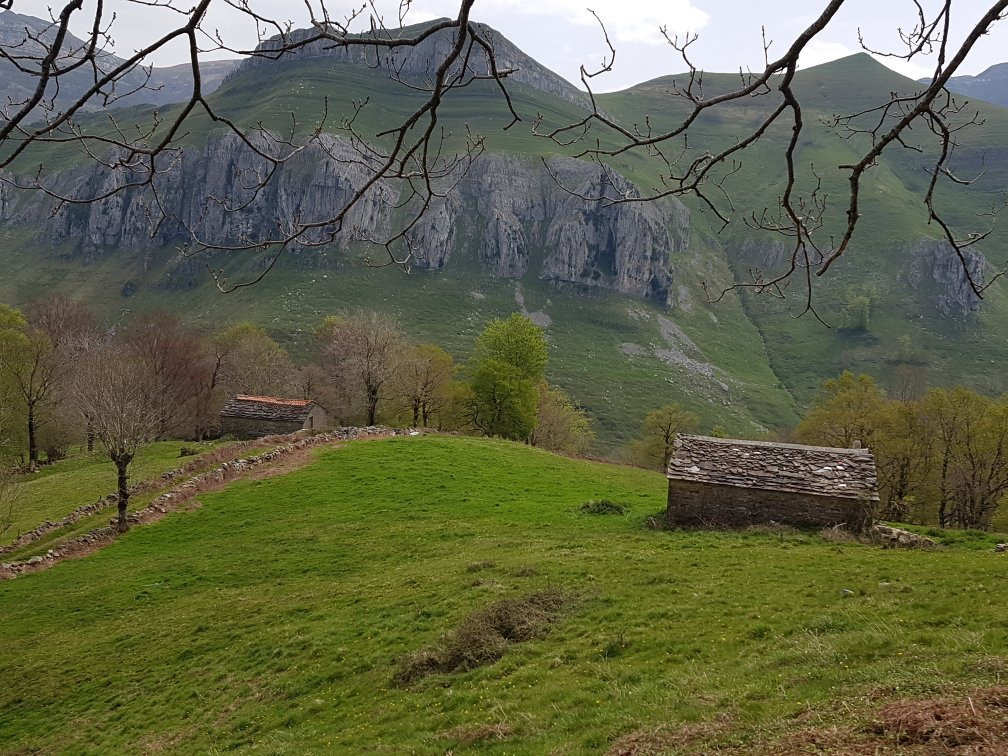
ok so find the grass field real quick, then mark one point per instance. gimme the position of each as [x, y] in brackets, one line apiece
[275, 617]
[56, 489]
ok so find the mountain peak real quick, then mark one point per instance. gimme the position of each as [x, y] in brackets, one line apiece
[418, 62]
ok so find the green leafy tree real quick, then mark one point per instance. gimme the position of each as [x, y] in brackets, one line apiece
[658, 432]
[902, 446]
[516, 341]
[508, 364]
[9, 487]
[33, 358]
[857, 314]
[969, 455]
[501, 401]
[849, 409]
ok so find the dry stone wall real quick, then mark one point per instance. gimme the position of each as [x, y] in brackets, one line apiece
[179, 494]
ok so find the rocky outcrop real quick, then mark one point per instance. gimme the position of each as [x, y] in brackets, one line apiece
[934, 268]
[507, 210]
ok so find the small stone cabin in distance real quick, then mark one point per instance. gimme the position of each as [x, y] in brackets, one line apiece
[254, 416]
[729, 483]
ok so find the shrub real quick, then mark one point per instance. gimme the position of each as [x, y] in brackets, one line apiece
[603, 507]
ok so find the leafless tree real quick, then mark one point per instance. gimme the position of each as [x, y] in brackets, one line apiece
[174, 359]
[362, 352]
[904, 120]
[118, 390]
[409, 164]
[561, 425]
[424, 381]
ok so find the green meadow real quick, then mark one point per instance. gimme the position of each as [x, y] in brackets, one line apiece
[276, 616]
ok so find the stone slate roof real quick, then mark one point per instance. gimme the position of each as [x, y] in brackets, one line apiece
[768, 466]
[267, 408]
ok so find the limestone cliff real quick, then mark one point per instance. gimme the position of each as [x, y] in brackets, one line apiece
[506, 211]
[934, 267]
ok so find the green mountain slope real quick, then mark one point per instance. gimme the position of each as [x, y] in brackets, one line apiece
[745, 362]
[274, 617]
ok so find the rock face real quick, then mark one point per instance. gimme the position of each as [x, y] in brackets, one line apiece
[991, 85]
[506, 210]
[934, 265]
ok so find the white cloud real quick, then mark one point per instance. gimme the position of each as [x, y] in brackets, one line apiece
[911, 69]
[628, 21]
[820, 51]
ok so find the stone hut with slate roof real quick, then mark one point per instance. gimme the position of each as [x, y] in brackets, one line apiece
[255, 416]
[728, 483]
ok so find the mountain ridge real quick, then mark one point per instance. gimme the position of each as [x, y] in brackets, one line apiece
[167, 84]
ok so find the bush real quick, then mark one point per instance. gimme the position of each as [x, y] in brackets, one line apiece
[603, 507]
[56, 451]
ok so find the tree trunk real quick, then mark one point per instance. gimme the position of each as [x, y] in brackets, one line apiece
[943, 494]
[90, 438]
[416, 413]
[372, 405]
[32, 440]
[122, 465]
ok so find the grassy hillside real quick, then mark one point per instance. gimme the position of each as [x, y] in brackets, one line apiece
[589, 337]
[802, 352]
[275, 617]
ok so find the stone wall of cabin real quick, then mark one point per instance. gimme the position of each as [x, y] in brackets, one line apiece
[706, 505]
[244, 428]
[317, 419]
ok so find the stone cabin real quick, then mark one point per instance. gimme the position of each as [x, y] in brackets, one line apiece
[728, 483]
[255, 416]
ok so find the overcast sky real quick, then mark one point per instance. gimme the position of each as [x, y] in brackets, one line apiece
[562, 34]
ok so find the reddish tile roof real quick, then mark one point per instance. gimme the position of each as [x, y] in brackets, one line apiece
[274, 400]
[768, 466]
